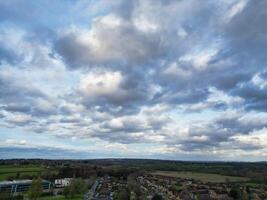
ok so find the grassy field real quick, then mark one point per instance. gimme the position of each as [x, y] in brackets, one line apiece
[31, 170]
[61, 198]
[205, 177]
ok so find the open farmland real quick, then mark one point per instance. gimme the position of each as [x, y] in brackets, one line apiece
[22, 171]
[205, 177]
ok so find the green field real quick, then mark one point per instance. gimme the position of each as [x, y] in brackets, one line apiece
[205, 177]
[61, 198]
[30, 170]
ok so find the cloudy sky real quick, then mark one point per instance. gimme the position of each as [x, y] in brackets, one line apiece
[167, 79]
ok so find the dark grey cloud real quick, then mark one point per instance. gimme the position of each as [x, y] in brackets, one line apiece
[23, 97]
[131, 56]
[222, 132]
[119, 137]
[253, 92]
[116, 41]
[201, 138]
[242, 125]
[115, 92]
[70, 120]
[247, 32]
[119, 41]
[255, 97]
[183, 96]
[121, 44]
[10, 91]
[17, 108]
[72, 52]
[127, 129]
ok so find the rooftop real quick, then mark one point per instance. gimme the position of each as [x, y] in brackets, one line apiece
[15, 182]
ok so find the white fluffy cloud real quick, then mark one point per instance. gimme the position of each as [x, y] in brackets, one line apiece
[102, 84]
[180, 77]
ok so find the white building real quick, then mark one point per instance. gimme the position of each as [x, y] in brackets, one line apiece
[63, 182]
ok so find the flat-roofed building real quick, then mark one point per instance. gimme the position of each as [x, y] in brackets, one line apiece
[19, 186]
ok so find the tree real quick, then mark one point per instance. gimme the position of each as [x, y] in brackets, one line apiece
[5, 195]
[77, 186]
[123, 195]
[137, 191]
[245, 196]
[66, 191]
[134, 186]
[157, 197]
[17, 175]
[235, 192]
[36, 189]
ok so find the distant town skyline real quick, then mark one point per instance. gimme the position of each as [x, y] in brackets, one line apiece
[161, 79]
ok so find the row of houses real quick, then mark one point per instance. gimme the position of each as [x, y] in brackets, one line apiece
[190, 189]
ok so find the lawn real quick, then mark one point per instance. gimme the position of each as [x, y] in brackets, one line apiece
[10, 170]
[205, 177]
[61, 198]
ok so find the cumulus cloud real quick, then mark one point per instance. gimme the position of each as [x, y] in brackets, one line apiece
[111, 39]
[178, 76]
[224, 131]
[112, 91]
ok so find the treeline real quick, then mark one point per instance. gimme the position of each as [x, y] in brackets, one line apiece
[47, 175]
[96, 171]
[86, 168]
[77, 187]
[251, 170]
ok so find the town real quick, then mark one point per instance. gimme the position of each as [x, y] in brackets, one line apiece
[108, 182]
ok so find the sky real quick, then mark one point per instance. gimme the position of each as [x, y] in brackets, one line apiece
[161, 79]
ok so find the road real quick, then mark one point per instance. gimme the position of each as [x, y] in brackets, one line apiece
[90, 194]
